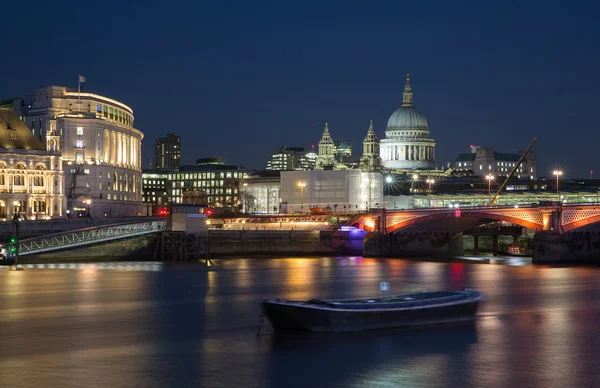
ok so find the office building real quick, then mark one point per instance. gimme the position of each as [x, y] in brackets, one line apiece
[167, 152]
[286, 158]
[483, 161]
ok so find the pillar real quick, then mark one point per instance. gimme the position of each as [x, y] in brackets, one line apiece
[495, 241]
[475, 245]
[516, 241]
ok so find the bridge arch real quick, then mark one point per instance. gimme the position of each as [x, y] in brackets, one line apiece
[469, 218]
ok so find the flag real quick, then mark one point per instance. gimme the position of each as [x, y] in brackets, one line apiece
[82, 79]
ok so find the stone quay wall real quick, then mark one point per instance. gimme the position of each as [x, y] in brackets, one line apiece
[574, 247]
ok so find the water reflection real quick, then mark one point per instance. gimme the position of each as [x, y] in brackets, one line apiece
[188, 325]
[366, 358]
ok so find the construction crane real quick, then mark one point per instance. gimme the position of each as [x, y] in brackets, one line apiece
[493, 201]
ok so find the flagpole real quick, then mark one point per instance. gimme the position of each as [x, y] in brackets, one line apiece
[78, 91]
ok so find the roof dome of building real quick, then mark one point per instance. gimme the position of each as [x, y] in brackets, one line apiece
[407, 118]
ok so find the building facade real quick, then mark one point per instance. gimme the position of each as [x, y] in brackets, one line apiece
[260, 193]
[483, 161]
[167, 152]
[407, 144]
[154, 189]
[31, 178]
[286, 158]
[210, 182]
[342, 150]
[101, 149]
[349, 190]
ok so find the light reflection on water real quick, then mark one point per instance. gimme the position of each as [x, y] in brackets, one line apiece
[155, 324]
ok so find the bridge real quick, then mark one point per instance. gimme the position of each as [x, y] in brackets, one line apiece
[561, 232]
[88, 236]
[555, 217]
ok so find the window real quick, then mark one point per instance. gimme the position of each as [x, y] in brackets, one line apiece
[79, 144]
[79, 131]
[13, 134]
[98, 108]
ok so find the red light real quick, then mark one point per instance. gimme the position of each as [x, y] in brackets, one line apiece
[209, 212]
[457, 213]
[163, 212]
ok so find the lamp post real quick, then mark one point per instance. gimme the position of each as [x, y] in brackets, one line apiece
[245, 204]
[15, 239]
[301, 185]
[429, 182]
[557, 173]
[88, 203]
[489, 178]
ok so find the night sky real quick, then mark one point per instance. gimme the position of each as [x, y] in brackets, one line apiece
[238, 79]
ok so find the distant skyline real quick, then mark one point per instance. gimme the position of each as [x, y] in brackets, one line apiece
[238, 79]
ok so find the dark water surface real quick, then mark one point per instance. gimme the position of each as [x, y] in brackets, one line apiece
[154, 325]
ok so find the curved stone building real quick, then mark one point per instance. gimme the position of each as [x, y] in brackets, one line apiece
[101, 149]
[407, 144]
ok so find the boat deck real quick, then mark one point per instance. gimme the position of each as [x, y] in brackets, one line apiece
[419, 299]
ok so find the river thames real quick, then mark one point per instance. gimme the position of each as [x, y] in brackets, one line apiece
[183, 325]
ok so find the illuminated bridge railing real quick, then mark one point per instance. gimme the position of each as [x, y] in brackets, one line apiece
[89, 236]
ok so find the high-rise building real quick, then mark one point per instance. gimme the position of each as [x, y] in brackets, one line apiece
[101, 149]
[286, 158]
[167, 152]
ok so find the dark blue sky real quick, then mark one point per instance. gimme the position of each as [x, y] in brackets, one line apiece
[238, 79]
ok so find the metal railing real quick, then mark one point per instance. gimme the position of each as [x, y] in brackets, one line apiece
[88, 236]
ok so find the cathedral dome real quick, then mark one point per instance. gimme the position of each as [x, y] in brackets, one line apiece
[407, 118]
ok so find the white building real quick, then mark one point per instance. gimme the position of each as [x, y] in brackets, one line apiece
[326, 157]
[358, 190]
[260, 194]
[31, 177]
[101, 148]
[407, 144]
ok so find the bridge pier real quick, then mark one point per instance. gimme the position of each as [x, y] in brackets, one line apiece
[475, 245]
[495, 245]
[413, 244]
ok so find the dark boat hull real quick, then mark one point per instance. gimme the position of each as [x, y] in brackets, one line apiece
[285, 316]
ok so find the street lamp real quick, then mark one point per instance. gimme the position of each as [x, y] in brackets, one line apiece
[88, 203]
[301, 185]
[489, 178]
[430, 182]
[557, 173]
[245, 203]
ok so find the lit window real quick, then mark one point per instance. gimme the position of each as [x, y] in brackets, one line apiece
[480, 167]
[79, 130]
[79, 144]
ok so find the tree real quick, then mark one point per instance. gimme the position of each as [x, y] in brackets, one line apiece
[248, 202]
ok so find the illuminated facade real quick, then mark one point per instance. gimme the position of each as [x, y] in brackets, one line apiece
[286, 158]
[101, 149]
[482, 161]
[354, 189]
[210, 182]
[31, 176]
[407, 144]
[259, 193]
